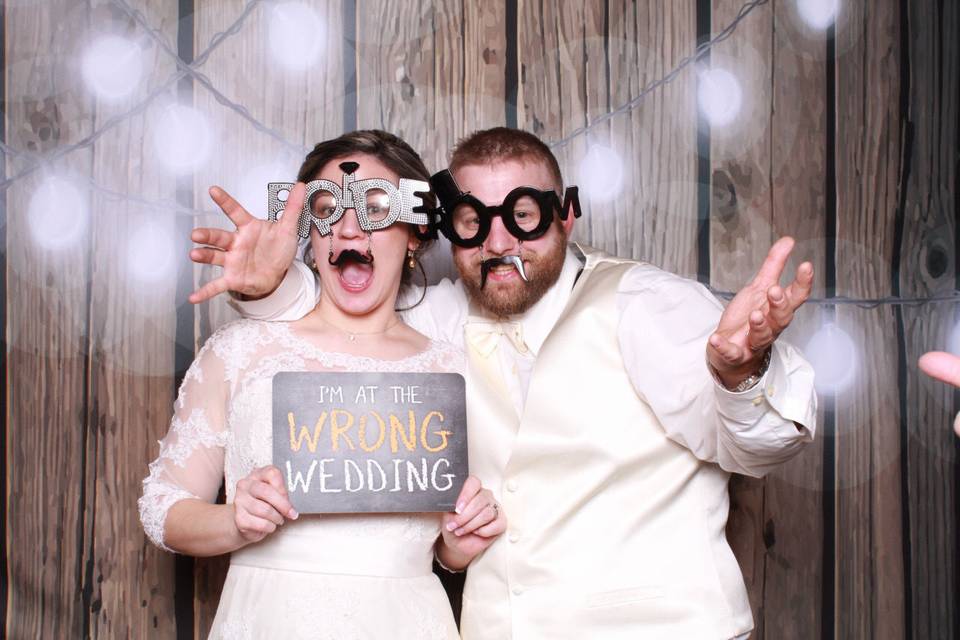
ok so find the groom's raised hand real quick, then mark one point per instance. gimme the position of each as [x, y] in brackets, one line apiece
[757, 315]
[255, 257]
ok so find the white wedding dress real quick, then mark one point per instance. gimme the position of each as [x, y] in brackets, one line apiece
[329, 576]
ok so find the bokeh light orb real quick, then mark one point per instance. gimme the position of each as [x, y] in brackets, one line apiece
[112, 67]
[833, 355]
[151, 253]
[251, 191]
[295, 35]
[953, 341]
[182, 139]
[819, 14]
[601, 174]
[58, 213]
[719, 96]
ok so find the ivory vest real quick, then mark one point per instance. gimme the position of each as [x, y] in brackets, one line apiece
[614, 530]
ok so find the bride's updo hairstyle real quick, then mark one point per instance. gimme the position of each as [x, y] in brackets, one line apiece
[389, 149]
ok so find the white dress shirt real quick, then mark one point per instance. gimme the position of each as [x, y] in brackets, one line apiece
[665, 320]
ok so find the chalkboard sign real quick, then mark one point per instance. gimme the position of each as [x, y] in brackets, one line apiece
[370, 442]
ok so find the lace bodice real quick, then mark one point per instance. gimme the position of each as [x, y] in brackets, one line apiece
[221, 428]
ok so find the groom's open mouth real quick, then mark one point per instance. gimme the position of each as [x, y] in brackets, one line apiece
[502, 268]
[355, 269]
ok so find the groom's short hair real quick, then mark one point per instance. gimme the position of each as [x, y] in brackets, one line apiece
[503, 143]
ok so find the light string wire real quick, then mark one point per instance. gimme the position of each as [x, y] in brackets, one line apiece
[184, 70]
[863, 303]
[205, 82]
[670, 77]
[41, 160]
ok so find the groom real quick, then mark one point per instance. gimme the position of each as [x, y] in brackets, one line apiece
[608, 402]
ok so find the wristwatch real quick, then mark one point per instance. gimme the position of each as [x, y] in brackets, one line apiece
[751, 381]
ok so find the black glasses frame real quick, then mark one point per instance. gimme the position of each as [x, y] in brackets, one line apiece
[450, 197]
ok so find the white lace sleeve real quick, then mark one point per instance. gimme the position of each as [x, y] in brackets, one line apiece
[190, 464]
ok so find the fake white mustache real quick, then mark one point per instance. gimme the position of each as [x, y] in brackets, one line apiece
[487, 265]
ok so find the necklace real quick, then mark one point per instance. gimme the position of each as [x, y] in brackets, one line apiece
[352, 335]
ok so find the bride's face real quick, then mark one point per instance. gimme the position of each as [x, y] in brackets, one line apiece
[359, 289]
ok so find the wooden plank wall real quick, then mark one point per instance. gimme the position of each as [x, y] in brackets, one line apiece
[47, 337]
[928, 266]
[869, 544]
[768, 181]
[846, 140]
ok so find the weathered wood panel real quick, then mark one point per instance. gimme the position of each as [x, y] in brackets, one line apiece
[90, 357]
[562, 86]
[295, 108]
[484, 68]
[740, 233]
[869, 543]
[431, 72]
[767, 182]
[130, 383]
[656, 214]
[47, 432]
[793, 500]
[928, 258]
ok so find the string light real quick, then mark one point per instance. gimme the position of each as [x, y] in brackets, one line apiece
[182, 139]
[601, 173]
[251, 192]
[295, 36]
[151, 253]
[634, 102]
[819, 14]
[40, 161]
[112, 68]
[295, 15]
[719, 96]
[58, 213]
[833, 356]
[953, 342]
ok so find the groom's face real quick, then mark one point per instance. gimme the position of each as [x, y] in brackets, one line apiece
[505, 292]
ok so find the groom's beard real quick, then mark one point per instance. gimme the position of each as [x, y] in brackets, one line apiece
[514, 296]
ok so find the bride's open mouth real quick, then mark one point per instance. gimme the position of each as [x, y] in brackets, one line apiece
[355, 269]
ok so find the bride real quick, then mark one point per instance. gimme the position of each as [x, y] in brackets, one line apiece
[311, 576]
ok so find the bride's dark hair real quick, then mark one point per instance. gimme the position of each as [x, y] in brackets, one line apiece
[389, 149]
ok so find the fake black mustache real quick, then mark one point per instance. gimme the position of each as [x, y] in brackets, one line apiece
[490, 263]
[350, 255]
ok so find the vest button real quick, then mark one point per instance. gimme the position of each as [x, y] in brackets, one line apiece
[517, 590]
[511, 485]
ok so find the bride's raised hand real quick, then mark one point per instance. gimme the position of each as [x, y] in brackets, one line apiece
[256, 256]
[261, 504]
